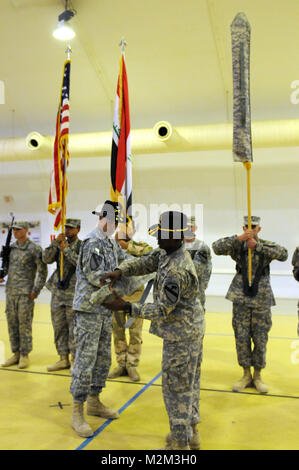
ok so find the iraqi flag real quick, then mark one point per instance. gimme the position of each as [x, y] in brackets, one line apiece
[121, 159]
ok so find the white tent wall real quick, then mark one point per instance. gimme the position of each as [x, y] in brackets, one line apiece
[209, 178]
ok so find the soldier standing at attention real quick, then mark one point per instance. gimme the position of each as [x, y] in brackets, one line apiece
[177, 317]
[27, 275]
[99, 253]
[295, 263]
[202, 260]
[201, 255]
[62, 291]
[251, 304]
[128, 354]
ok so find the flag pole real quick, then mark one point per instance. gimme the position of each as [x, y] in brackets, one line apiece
[123, 43]
[63, 211]
[242, 145]
[247, 165]
[123, 201]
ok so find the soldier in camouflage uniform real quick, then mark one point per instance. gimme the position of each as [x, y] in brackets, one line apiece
[295, 263]
[128, 354]
[93, 322]
[251, 305]
[201, 255]
[202, 260]
[62, 313]
[27, 275]
[177, 316]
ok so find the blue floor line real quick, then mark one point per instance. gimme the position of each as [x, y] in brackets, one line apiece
[123, 408]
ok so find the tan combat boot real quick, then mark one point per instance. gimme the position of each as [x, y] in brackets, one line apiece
[24, 361]
[168, 441]
[119, 371]
[258, 383]
[174, 445]
[133, 374]
[78, 422]
[245, 381]
[14, 359]
[63, 363]
[96, 408]
[177, 445]
[194, 444]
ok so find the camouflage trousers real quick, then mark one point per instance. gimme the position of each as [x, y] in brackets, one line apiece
[181, 366]
[127, 353]
[93, 354]
[195, 418]
[19, 314]
[63, 324]
[251, 325]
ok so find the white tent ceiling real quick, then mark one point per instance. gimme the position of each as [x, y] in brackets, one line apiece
[178, 62]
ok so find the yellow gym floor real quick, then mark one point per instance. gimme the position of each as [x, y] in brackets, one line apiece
[36, 406]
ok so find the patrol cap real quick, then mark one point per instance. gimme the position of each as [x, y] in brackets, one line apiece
[20, 225]
[74, 223]
[191, 220]
[110, 210]
[172, 225]
[254, 220]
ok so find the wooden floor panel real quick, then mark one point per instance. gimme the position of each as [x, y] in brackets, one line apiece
[36, 405]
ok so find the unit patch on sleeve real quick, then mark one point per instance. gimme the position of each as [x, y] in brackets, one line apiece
[172, 290]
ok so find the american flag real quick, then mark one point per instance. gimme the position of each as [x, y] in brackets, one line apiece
[58, 187]
[121, 164]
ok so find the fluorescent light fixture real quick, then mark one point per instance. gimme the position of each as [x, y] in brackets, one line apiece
[63, 31]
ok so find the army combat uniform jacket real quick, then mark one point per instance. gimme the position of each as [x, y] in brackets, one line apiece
[295, 263]
[137, 249]
[176, 313]
[128, 352]
[98, 254]
[201, 256]
[177, 316]
[70, 258]
[26, 273]
[62, 313]
[264, 253]
[251, 308]
[93, 322]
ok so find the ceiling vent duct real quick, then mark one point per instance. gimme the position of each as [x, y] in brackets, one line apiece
[163, 138]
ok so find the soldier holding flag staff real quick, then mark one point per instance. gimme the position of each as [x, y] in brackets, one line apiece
[251, 303]
[62, 291]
